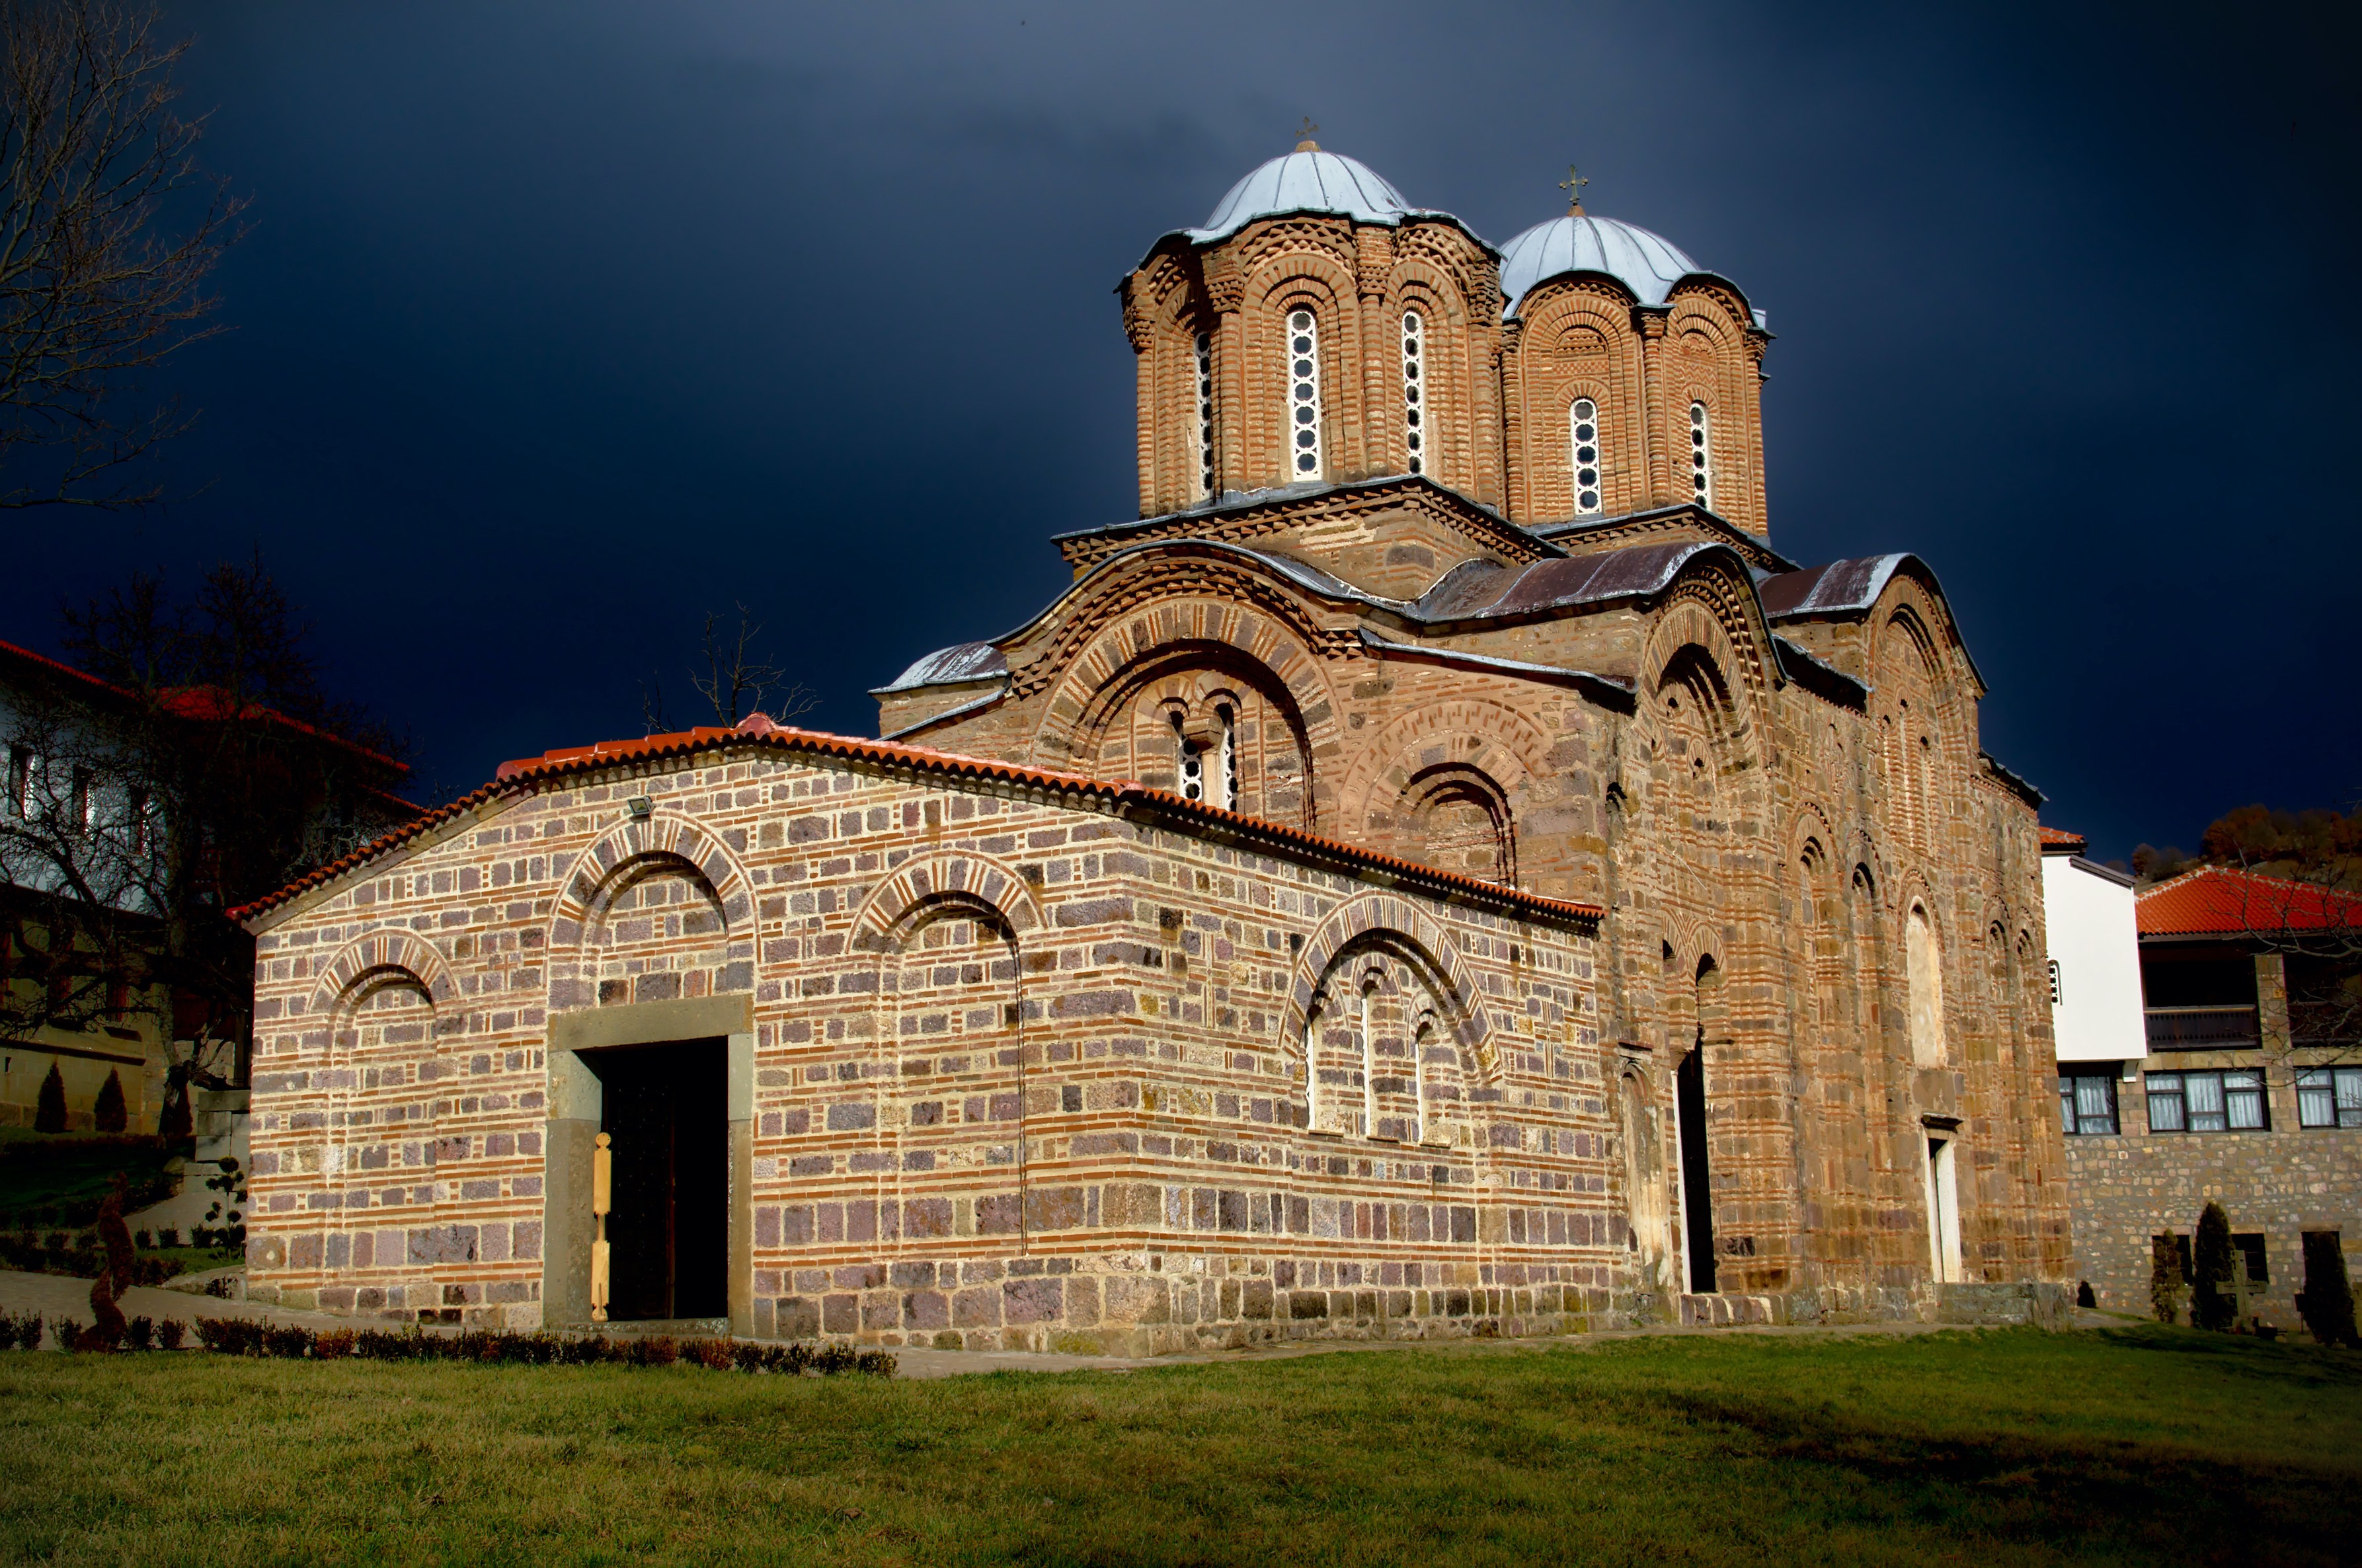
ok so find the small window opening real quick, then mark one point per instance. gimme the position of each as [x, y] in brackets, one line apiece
[1584, 422]
[1414, 415]
[1205, 416]
[1303, 392]
[1700, 459]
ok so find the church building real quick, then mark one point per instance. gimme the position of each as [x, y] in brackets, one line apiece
[1439, 869]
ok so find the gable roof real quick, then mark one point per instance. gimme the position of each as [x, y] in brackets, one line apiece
[2220, 900]
[1123, 798]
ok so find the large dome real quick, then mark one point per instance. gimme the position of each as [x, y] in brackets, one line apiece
[1648, 264]
[1305, 181]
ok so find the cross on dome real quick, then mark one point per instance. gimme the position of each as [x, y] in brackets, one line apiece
[1573, 185]
[1304, 142]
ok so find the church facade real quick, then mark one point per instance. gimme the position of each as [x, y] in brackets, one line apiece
[1439, 869]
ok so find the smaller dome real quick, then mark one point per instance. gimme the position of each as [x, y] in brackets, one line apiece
[1305, 181]
[1648, 264]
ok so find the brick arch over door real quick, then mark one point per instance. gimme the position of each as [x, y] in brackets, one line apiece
[624, 857]
[1408, 931]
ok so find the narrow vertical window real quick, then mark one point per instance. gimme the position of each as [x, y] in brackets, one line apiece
[2056, 994]
[1229, 780]
[1193, 771]
[1368, 1074]
[1414, 335]
[1585, 420]
[1205, 416]
[1701, 464]
[1303, 392]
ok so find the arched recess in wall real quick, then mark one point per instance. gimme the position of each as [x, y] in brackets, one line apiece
[1922, 974]
[1649, 1232]
[386, 1000]
[657, 909]
[1444, 786]
[948, 934]
[1239, 686]
[1428, 1013]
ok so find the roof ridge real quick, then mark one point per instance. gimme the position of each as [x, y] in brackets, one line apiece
[759, 729]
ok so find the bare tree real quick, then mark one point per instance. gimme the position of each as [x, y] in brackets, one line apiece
[193, 764]
[737, 679]
[93, 165]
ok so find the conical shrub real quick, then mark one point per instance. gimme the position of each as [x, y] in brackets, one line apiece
[49, 1109]
[109, 1114]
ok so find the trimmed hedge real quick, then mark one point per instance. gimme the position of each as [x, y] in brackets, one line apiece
[235, 1336]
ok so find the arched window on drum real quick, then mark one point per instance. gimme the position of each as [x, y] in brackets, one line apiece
[1413, 353]
[1700, 457]
[1303, 394]
[1583, 422]
[1205, 367]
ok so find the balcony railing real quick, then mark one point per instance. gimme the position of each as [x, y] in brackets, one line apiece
[2202, 1028]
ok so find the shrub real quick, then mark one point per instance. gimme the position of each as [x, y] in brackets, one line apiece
[20, 1333]
[50, 1107]
[168, 1238]
[140, 1334]
[142, 1240]
[292, 1341]
[2084, 1296]
[2214, 1299]
[230, 1336]
[334, 1344]
[109, 1114]
[2165, 1277]
[170, 1331]
[658, 1350]
[2326, 1303]
[68, 1334]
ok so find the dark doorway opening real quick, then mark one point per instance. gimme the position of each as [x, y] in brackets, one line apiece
[666, 1109]
[1697, 1202]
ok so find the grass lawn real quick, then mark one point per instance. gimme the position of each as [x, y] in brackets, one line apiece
[2143, 1444]
[56, 1181]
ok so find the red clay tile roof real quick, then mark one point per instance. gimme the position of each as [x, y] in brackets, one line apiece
[200, 703]
[518, 776]
[2216, 900]
[2061, 840]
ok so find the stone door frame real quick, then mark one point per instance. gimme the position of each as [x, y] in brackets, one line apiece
[576, 1104]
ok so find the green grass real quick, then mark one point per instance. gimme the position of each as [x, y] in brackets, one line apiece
[2129, 1445]
[56, 1181]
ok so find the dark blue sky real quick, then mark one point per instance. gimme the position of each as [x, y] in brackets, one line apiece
[559, 324]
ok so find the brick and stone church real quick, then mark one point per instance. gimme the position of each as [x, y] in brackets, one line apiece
[1440, 869]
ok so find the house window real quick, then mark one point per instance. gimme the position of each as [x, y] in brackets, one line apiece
[1414, 335]
[2249, 1245]
[1193, 771]
[1205, 416]
[83, 803]
[1584, 419]
[2329, 1097]
[1303, 392]
[2207, 1102]
[2055, 992]
[24, 782]
[2087, 1104]
[1701, 462]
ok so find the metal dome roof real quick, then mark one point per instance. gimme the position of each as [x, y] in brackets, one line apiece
[1305, 181]
[1648, 264]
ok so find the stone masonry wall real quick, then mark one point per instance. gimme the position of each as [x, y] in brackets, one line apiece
[1025, 1073]
[2282, 1183]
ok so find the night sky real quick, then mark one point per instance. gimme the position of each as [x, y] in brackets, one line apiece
[562, 324]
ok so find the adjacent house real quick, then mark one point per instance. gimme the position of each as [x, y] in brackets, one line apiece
[117, 806]
[2228, 1070]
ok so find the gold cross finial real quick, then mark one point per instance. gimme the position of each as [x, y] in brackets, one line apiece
[1304, 142]
[1573, 185]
